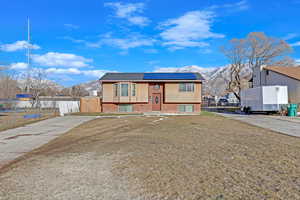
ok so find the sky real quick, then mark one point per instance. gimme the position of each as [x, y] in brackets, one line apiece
[78, 41]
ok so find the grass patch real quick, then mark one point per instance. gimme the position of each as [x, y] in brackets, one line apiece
[102, 114]
[206, 113]
[23, 123]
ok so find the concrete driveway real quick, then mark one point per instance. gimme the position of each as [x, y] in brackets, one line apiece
[281, 124]
[16, 142]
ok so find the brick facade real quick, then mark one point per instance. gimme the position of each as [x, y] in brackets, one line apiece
[140, 108]
[154, 88]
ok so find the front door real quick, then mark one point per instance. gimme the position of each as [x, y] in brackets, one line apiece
[156, 104]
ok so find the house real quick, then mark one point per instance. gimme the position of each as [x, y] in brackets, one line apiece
[275, 75]
[147, 92]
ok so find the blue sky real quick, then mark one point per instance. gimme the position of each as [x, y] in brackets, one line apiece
[77, 41]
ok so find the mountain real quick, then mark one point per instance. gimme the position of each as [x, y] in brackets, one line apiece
[90, 86]
[215, 77]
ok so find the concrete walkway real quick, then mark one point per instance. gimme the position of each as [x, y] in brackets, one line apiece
[16, 142]
[285, 125]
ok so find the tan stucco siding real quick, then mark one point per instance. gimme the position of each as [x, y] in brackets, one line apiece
[142, 92]
[140, 96]
[173, 95]
[107, 92]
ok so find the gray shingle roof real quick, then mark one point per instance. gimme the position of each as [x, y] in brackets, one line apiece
[140, 76]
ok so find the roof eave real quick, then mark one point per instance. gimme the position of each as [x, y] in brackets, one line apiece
[145, 81]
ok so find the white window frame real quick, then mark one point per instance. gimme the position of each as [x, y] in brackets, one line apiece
[185, 108]
[187, 87]
[116, 89]
[133, 89]
[121, 90]
[129, 105]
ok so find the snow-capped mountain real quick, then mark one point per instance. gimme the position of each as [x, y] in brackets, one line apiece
[90, 86]
[215, 76]
[209, 73]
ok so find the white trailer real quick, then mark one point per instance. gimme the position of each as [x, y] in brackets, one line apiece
[264, 98]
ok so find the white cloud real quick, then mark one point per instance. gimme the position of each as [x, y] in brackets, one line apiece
[18, 45]
[76, 71]
[54, 59]
[128, 43]
[189, 30]
[72, 39]
[298, 61]
[296, 44]
[130, 12]
[238, 6]
[71, 26]
[132, 41]
[241, 5]
[290, 36]
[95, 73]
[63, 71]
[18, 66]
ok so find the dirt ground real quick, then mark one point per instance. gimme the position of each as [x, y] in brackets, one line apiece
[15, 119]
[175, 157]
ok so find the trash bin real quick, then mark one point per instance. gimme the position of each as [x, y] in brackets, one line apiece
[292, 110]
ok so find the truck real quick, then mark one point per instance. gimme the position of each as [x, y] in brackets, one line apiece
[264, 99]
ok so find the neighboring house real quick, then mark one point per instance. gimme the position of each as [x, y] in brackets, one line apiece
[146, 92]
[287, 76]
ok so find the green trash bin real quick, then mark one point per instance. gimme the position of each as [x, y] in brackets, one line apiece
[292, 110]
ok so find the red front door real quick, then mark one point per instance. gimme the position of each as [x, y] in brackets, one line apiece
[156, 103]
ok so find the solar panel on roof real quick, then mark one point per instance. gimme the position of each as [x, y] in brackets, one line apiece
[170, 76]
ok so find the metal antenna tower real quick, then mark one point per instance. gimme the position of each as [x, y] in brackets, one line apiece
[28, 56]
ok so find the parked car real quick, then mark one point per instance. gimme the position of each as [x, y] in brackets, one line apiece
[223, 102]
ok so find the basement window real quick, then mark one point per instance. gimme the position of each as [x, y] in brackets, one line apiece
[186, 108]
[125, 108]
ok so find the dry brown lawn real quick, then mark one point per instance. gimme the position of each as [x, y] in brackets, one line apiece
[178, 157]
[15, 119]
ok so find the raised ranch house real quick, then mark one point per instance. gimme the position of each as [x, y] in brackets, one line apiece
[147, 92]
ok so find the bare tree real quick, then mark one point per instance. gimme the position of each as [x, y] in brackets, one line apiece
[65, 92]
[37, 84]
[8, 84]
[78, 91]
[236, 52]
[253, 51]
[264, 50]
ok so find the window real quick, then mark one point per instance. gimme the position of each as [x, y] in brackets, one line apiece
[186, 108]
[116, 89]
[156, 87]
[133, 89]
[125, 108]
[186, 87]
[124, 90]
